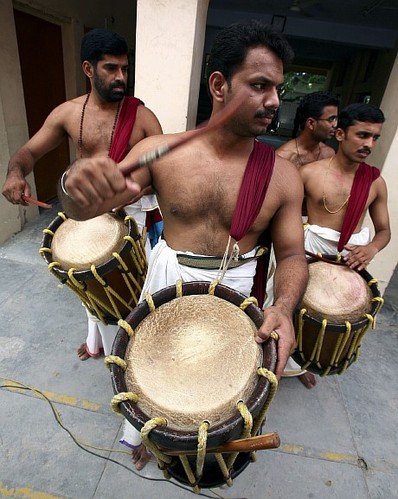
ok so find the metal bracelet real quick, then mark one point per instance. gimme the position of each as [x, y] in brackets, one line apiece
[62, 183]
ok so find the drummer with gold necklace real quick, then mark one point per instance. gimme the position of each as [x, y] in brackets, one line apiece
[340, 191]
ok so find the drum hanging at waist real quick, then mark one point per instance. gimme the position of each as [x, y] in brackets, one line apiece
[337, 309]
[187, 371]
[102, 260]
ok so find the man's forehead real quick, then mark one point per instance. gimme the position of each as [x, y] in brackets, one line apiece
[329, 110]
[114, 59]
[260, 61]
[366, 126]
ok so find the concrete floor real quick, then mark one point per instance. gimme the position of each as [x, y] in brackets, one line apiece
[338, 440]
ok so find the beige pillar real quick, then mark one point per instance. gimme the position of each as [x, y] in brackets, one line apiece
[385, 262]
[13, 125]
[169, 48]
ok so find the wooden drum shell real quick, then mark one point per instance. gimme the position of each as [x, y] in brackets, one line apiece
[231, 429]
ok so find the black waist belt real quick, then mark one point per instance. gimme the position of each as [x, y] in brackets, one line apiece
[214, 262]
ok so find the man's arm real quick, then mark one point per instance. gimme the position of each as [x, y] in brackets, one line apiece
[22, 162]
[149, 124]
[93, 186]
[291, 275]
[360, 256]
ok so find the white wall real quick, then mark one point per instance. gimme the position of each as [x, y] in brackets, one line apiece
[386, 156]
[169, 52]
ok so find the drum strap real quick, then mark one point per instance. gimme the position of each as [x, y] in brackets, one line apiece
[214, 262]
[253, 190]
[364, 177]
[124, 128]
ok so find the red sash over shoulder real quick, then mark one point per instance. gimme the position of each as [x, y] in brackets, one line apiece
[364, 177]
[256, 178]
[124, 128]
[119, 149]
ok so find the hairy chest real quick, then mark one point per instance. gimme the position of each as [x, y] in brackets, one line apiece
[94, 132]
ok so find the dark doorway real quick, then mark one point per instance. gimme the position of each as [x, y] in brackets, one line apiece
[42, 68]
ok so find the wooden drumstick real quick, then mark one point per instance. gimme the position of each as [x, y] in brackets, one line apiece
[35, 201]
[260, 442]
[322, 259]
[217, 121]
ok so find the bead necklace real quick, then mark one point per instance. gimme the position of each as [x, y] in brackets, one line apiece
[299, 157]
[332, 212]
[80, 139]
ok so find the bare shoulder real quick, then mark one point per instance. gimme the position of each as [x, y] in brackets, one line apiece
[145, 114]
[146, 124]
[287, 150]
[326, 151]
[67, 111]
[149, 144]
[287, 175]
[380, 184]
[313, 170]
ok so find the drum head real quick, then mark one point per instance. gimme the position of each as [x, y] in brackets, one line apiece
[336, 293]
[228, 429]
[80, 244]
[192, 359]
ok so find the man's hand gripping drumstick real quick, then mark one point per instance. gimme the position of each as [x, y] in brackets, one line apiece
[93, 186]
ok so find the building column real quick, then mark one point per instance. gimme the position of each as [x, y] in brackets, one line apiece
[13, 124]
[169, 50]
[385, 262]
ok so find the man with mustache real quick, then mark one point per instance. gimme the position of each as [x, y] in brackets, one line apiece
[341, 189]
[219, 192]
[104, 122]
[316, 120]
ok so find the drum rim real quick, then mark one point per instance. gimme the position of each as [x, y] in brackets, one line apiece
[222, 432]
[341, 328]
[104, 268]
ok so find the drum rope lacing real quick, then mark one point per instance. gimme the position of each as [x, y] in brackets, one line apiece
[250, 427]
[337, 355]
[94, 303]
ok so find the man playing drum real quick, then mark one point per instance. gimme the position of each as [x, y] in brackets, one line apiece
[316, 120]
[103, 122]
[341, 189]
[199, 186]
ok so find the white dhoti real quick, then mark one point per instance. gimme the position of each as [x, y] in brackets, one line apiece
[100, 336]
[164, 270]
[323, 240]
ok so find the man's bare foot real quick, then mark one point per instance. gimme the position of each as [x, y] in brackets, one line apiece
[140, 456]
[308, 380]
[82, 352]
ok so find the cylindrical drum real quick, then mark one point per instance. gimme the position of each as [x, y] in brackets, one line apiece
[338, 307]
[102, 260]
[195, 378]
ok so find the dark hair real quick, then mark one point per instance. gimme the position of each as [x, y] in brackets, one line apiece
[359, 112]
[98, 42]
[232, 43]
[312, 106]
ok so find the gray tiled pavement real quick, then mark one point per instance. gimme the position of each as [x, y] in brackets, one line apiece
[338, 440]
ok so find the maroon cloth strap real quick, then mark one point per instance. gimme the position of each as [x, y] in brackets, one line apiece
[256, 178]
[124, 128]
[120, 142]
[364, 177]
